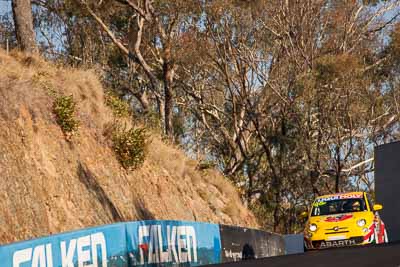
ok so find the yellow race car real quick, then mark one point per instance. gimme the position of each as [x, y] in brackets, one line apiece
[343, 219]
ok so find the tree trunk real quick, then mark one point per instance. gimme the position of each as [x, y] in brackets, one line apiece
[250, 190]
[22, 12]
[339, 169]
[168, 105]
[143, 99]
[168, 73]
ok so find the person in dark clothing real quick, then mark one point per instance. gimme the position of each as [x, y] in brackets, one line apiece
[248, 252]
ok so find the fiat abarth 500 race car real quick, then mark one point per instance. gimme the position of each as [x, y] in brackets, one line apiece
[343, 219]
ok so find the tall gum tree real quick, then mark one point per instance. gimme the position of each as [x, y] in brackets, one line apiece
[22, 13]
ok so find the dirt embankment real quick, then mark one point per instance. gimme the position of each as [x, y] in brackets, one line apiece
[50, 185]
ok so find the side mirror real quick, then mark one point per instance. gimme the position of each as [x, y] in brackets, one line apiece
[303, 215]
[378, 207]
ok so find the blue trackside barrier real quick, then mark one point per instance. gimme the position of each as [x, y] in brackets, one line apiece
[100, 246]
[143, 243]
[172, 242]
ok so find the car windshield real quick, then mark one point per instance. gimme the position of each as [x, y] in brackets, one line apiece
[323, 206]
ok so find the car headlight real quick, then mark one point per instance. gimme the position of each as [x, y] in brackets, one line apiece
[313, 227]
[361, 222]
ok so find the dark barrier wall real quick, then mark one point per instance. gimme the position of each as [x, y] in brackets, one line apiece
[387, 186]
[243, 243]
[294, 244]
[145, 243]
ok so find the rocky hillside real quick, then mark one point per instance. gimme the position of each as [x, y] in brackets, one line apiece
[49, 184]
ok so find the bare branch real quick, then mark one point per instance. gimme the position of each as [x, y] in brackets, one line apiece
[358, 165]
[117, 42]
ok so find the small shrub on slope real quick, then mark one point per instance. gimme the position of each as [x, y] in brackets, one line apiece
[119, 107]
[64, 109]
[130, 147]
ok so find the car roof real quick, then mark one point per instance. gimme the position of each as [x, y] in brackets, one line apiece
[355, 194]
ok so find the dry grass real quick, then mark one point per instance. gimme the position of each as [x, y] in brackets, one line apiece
[231, 210]
[34, 83]
[209, 184]
[203, 194]
[167, 157]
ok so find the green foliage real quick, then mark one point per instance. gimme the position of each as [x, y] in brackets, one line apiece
[130, 146]
[64, 109]
[120, 108]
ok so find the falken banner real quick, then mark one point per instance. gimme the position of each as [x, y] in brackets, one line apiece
[145, 243]
[173, 242]
[95, 247]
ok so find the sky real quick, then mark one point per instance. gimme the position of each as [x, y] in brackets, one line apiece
[5, 6]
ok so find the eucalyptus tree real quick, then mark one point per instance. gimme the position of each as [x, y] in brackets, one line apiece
[23, 21]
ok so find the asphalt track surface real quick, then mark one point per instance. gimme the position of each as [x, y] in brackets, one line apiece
[387, 255]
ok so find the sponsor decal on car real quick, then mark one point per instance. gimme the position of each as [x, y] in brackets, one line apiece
[338, 243]
[336, 238]
[338, 196]
[338, 218]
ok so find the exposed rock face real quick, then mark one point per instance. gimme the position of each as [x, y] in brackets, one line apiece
[50, 185]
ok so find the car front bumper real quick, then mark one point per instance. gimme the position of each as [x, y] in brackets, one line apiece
[323, 244]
